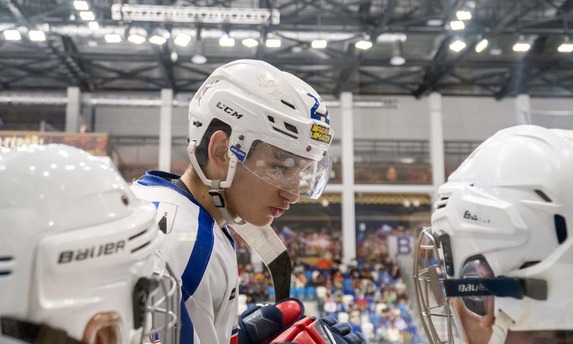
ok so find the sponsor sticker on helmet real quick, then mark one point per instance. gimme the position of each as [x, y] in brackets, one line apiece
[238, 153]
[320, 133]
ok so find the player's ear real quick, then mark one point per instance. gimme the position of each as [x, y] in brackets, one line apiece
[218, 151]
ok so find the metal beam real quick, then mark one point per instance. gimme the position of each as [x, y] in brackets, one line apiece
[188, 14]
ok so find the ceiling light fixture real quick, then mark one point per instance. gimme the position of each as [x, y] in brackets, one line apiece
[198, 59]
[435, 22]
[226, 41]
[182, 40]
[319, 44]
[463, 15]
[363, 45]
[457, 45]
[37, 35]
[250, 42]
[93, 25]
[157, 40]
[273, 43]
[457, 25]
[566, 46]
[521, 47]
[481, 45]
[12, 35]
[87, 15]
[112, 38]
[81, 5]
[397, 60]
[391, 37]
[136, 38]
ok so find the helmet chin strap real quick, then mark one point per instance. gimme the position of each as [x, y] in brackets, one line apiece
[218, 187]
[218, 195]
[500, 328]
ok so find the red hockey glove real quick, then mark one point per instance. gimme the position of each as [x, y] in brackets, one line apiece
[326, 330]
[262, 323]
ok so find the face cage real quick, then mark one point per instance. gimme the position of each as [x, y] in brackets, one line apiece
[162, 310]
[429, 276]
[287, 171]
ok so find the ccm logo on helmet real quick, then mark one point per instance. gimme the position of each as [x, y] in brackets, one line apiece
[229, 110]
[91, 252]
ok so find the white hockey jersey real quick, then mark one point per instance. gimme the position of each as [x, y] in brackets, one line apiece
[202, 254]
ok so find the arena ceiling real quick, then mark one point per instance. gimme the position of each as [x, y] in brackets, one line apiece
[77, 54]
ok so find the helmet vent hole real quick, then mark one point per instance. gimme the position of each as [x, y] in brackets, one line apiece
[528, 264]
[124, 200]
[271, 119]
[442, 202]
[291, 127]
[294, 136]
[288, 104]
[560, 228]
[5, 272]
[543, 195]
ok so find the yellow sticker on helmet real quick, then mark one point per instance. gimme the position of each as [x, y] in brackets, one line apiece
[320, 133]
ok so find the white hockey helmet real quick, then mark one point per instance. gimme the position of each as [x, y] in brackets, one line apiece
[78, 261]
[260, 103]
[499, 243]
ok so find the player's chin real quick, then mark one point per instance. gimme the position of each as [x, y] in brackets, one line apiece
[261, 221]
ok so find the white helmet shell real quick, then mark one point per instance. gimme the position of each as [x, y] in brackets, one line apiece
[510, 202]
[74, 241]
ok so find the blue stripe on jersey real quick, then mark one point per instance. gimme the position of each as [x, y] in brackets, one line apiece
[186, 325]
[200, 255]
[205, 237]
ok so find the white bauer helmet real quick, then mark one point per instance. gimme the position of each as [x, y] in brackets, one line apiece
[78, 254]
[260, 103]
[499, 241]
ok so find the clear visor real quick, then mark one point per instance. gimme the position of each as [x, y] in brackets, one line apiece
[288, 171]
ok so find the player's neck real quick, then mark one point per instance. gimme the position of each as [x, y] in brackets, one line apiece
[200, 192]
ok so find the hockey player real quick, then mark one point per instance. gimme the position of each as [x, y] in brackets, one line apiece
[78, 253]
[499, 256]
[258, 140]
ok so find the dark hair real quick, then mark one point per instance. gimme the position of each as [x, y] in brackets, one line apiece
[201, 152]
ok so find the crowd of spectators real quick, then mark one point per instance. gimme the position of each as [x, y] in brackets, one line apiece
[369, 293]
